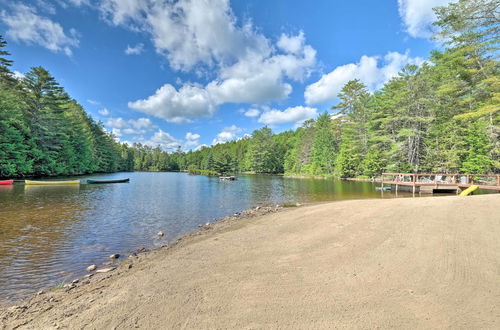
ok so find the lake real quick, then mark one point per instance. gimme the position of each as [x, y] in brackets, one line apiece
[50, 234]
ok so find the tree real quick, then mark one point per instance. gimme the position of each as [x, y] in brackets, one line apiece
[261, 151]
[324, 146]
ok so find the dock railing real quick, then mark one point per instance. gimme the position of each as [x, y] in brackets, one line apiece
[484, 181]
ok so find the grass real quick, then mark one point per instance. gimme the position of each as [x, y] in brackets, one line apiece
[203, 172]
[59, 286]
[289, 205]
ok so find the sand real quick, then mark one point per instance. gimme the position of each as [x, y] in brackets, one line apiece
[398, 263]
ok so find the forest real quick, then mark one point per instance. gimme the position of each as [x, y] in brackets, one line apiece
[442, 116]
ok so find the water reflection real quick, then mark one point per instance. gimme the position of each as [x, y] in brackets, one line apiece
[49, 234]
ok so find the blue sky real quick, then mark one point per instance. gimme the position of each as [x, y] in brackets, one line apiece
[198, 72]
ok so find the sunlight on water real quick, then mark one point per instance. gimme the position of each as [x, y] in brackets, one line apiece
[49, 234]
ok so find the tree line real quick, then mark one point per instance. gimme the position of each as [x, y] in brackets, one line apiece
[44, 132]
[442, 116]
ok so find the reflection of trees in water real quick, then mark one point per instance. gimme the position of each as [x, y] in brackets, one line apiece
[318, 190]
[267, 189]
[35, 222]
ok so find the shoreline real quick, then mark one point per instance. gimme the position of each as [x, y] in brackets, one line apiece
[268, 233]
[203, 229]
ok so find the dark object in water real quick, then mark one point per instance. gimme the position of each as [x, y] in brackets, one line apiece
[91, 181]
[227, 178]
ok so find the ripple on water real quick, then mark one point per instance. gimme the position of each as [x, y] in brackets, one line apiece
[50, 234]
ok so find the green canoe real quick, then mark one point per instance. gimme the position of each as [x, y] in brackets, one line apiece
[90, 181]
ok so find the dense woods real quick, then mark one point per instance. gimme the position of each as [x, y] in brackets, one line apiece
[442, 116]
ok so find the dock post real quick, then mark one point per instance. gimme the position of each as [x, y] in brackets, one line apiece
[382, 183]
[414, 181]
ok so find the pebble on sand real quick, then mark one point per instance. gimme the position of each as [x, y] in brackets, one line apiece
[114, 256]
[105, 270]
[160, 234]
[91, 268]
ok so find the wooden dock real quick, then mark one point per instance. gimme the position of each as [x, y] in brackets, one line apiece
[430, 183]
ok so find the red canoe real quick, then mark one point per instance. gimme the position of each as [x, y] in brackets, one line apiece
[5, 182]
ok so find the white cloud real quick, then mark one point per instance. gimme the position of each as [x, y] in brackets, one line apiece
[134, 131]
[250, 80]
[164, 140]
[93, 102]
[192, 136]
[103, 111]
[417, 16]
[79, 3]
[295, 115]
[117, 123]
[132, 126]
[142, 123]
[205, 37]
[227, 134]
[177, 105]
[192, 139]
[23, 24]
[18, 75]
[373, 71]
[46, 7]
[201, 146]
[252, 113]
[122, 11]
[292, 44]
[116, 132]
[135, 50]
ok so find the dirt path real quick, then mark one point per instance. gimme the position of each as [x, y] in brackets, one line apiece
[399, 263]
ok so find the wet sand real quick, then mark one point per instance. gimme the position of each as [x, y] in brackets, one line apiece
[396, 263]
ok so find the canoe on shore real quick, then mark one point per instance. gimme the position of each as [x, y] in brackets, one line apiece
[91, 181]
[30, 182]
[6, 182]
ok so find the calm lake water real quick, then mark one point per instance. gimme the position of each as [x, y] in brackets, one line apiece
[50, 234]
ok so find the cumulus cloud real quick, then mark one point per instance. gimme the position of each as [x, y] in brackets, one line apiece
[192, 139]
[252, 113]
[117, 123]
[133, 126]
[133, 131]
[23, 24]
[164, 140]
[296, 115]
[373, 71]
[227, 134]
[145, 123]
[177, 105]
[104, 112]
[249, 80]
[198, 35]
[417, 15]
[135, 50]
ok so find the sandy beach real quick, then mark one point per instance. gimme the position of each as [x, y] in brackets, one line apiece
[430, 262]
